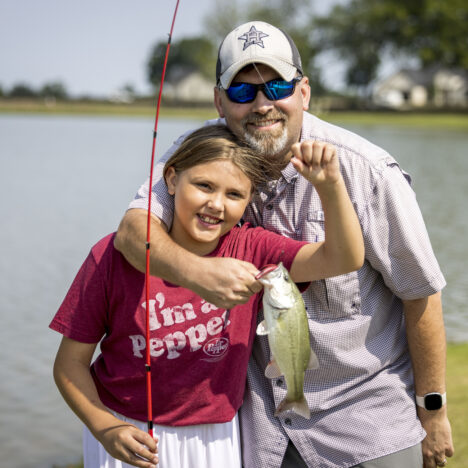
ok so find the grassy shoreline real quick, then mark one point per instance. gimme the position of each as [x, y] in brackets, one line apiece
[454, 121]
[457, 389]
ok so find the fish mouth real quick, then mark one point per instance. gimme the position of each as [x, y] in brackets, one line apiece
[265, 270]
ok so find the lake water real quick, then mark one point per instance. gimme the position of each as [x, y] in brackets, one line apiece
[66, 181]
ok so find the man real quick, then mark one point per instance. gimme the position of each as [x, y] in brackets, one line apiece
[378, 333]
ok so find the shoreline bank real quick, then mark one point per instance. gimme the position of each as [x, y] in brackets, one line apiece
[453, 121]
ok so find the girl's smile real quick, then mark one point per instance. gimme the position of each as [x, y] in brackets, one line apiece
[209, 199]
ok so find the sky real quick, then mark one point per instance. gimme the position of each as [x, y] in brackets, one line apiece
[93, 47]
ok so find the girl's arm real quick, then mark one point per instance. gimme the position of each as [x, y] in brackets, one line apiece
[343, 248]
[73, 378]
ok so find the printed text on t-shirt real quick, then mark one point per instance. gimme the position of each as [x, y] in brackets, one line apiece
[194, 336]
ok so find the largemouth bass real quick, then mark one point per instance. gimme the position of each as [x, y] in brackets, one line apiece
[287, 329]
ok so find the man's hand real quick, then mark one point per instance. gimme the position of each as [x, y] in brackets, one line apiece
[437, 445]
[317, 161]
[225, 282]
[426, 340]
[130, 445]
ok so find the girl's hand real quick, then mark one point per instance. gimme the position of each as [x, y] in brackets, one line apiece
[121, 440]
[317, 161]
[130, 445]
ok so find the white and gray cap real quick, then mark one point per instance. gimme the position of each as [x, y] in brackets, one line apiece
[257, 42]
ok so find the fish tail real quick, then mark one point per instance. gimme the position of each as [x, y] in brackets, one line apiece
[300, 407]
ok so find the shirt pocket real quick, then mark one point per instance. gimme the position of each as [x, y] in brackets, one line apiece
[343, 295]
[336, 297]
[313, 229]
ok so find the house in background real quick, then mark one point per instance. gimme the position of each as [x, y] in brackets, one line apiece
[186, 87]
[413, 89]
[405, 89]
[451, 88]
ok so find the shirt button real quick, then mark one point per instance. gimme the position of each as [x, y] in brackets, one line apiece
[279, 382]
[287, 421]
[269, 206]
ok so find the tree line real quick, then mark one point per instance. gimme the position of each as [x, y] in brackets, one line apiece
[361, 35]
[52, 90]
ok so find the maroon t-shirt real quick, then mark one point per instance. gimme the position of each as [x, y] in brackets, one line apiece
[199, 352]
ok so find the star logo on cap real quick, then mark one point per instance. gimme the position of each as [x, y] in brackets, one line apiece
[253, 37]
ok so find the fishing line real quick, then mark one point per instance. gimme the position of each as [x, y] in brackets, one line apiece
[258, 72]
[148, 236]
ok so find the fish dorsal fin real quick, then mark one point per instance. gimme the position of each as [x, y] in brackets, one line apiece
[272, 371]
[262, 328]
[313, 361]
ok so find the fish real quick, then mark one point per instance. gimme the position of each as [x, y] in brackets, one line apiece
[286, 326]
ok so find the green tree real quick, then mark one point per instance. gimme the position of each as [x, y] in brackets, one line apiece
[186, 56]
[22, 90]
[364, 31]
[55, 90]
[200, 53]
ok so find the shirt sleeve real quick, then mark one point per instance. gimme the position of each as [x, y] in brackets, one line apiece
[396, 239]
[269, 247]
[82, 315]
[162, 204]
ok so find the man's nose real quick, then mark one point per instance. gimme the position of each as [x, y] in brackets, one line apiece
[261, 103]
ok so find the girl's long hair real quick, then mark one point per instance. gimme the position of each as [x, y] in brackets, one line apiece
[214, 142]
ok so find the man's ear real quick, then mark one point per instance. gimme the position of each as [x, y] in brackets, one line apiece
[171, 180]
[305, 92]
[217, 101]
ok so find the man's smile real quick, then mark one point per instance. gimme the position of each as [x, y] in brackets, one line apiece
[265, 124]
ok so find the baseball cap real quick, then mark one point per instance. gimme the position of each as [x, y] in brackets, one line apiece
[257, 42]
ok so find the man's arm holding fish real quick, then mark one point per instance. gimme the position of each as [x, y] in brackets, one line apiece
[224, 282]
[343, 248]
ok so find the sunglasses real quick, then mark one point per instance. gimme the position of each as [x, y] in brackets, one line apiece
[274, 90]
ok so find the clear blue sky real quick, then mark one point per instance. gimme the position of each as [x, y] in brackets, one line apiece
[94, 46]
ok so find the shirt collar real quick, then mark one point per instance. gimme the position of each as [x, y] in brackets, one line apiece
[289, 173]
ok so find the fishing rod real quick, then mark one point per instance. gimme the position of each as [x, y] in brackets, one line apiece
[149, 396]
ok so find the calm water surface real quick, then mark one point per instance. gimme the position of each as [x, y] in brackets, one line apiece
[66, 181]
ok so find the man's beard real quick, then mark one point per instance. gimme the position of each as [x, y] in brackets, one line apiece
[272, 146]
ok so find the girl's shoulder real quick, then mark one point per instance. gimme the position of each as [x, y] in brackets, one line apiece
[109, 261]
[248, 243]
[245, 232]
[104, 248]
[103, 244]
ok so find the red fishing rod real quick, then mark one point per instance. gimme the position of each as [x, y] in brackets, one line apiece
[148, 236]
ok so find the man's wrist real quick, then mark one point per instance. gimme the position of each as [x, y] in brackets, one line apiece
[193, 272]
[432, 401]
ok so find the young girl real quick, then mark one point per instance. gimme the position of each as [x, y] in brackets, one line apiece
[199, 352]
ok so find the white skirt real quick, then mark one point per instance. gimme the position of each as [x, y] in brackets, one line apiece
[200, 446]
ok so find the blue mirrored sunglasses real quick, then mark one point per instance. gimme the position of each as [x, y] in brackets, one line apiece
[274, 90]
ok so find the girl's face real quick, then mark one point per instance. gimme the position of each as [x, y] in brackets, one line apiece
[209, 199]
